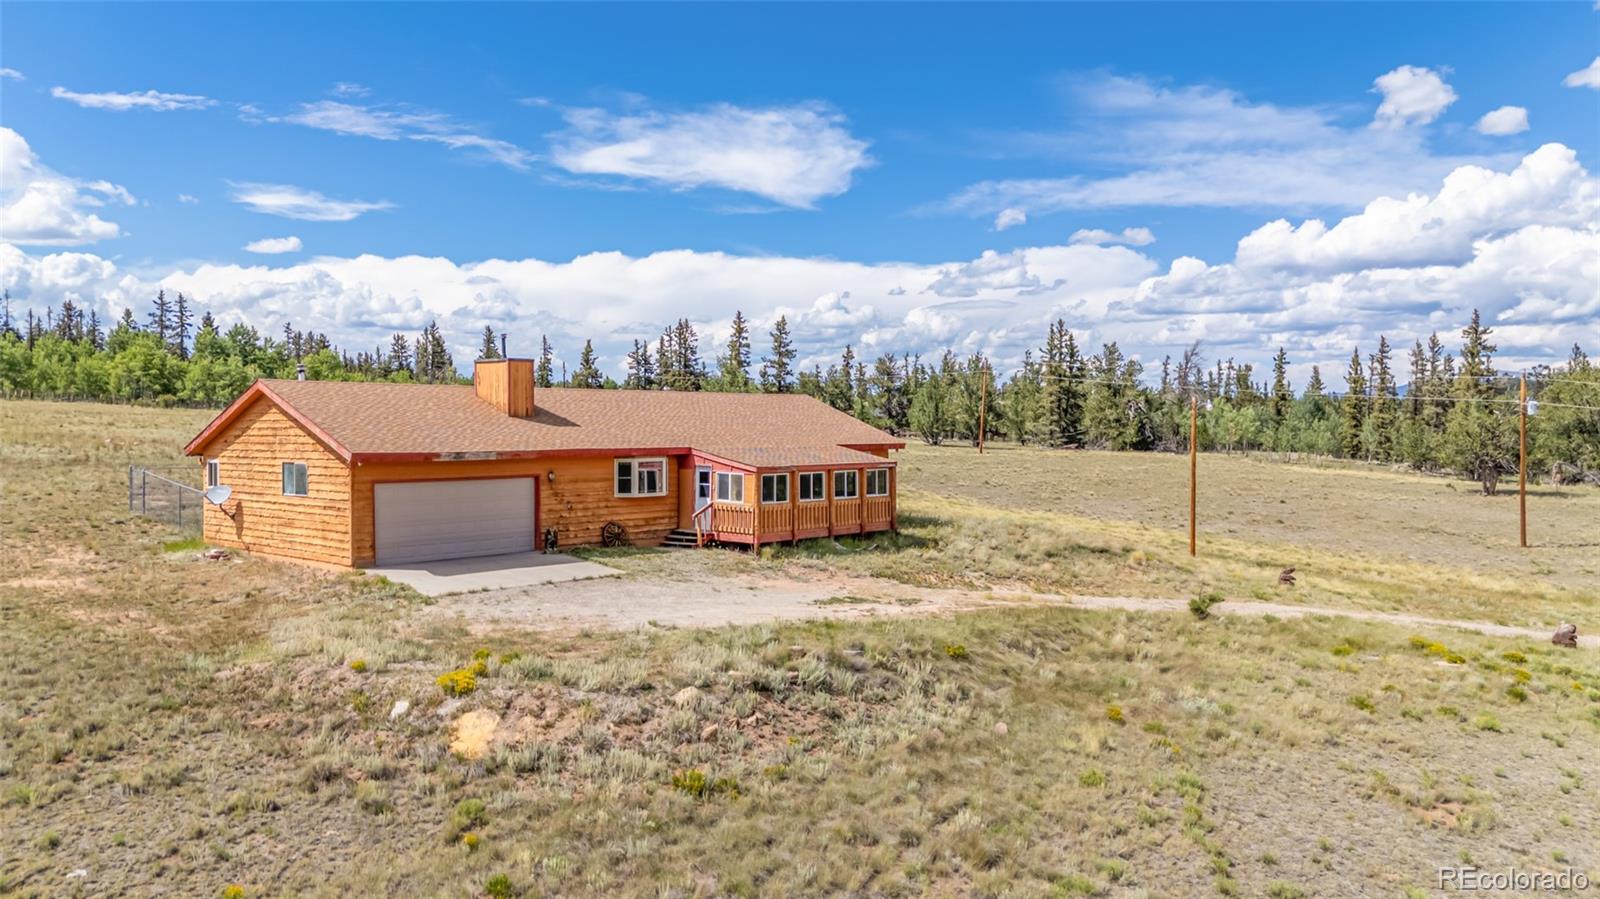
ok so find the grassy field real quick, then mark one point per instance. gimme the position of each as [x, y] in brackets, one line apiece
[171, 726]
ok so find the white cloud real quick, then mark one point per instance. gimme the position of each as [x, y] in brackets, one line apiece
[13, 74]
[292, 202]
[351, 89]
[792, 155]
[384, 123]
[122, 102]
[1588, 76]
[188, 199]
[1202, 146]
[1522, 246]
[1505, 120]
[1521, 243]
[1133, 237]
[1010, 217]
[273, 245]
[1412, 95]
[40, 207]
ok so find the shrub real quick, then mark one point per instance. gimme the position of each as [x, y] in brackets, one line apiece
[955, 650]
[1344, 648]
[692, 781]
[1114, 713]
[1280, 890]
[1514, 657]
[1516, 692]
[470, 841]
[358, 665]
[1201, 605]
[1363, 702]
[1092, 778]
[232, 891]
[499, 887]
[458, 683]
[1486, 721]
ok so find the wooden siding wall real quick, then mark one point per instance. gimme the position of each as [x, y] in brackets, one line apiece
[250, 454]
[577, 504]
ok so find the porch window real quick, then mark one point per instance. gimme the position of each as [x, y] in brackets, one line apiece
[811, 487]
[641, 477]
[294, 479]
[730, 487]
[877, 482]
[844, 484]
[775, 488]
[213, 472]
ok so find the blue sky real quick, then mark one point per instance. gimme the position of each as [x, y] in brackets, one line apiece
[848, 165]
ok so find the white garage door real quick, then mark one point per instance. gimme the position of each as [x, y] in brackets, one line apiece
[427, 520]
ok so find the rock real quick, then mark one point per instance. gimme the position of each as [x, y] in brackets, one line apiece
[1566, 635]
[708, 733]
[471, 733]
[78, 874]
[214, 555]
[1000, 728]
[447, 708]
[686, 697]
[401, 706]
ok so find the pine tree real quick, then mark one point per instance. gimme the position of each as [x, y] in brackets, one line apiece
[1062, 372]
[488, 347]
[688, 372]
[1314, 388]
[1381, 421]
[544, 376]
[93, 334]
[777, 369]
[588, 372]
[161, 318]
[928, 414]
[734, 366]
[6, 324]
[399, 358]
[889, 391]
[641, 368]
[1282, 393]
[182, 323]
[1479, 440]
[1354, 407]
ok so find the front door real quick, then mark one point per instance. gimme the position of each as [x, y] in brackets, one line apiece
[702, 497]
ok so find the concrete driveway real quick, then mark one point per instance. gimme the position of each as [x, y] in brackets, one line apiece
[492, 572]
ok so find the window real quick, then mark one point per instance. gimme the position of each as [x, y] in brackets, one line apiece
[775, 488]
[877, 482]
[294, 479]
[844, 484]
[641, 477]
[811, 487]
[730, 487]
[213, 473]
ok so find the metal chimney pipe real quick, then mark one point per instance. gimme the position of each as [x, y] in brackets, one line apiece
[503, 346]
[300, 372]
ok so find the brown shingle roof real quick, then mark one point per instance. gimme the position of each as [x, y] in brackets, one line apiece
[375, 418]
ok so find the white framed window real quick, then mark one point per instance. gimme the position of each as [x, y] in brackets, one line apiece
[845, 485]
[213, 472]
[730, 487]
[641, 477]
[813, 485]
[877, 482]
[294, 479]
[775, 488]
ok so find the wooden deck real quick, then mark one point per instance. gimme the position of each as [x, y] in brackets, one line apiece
[754, 522]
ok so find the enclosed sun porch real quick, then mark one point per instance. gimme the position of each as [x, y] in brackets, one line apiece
[758, 496]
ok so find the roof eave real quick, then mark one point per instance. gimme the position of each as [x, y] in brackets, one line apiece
[259, 390]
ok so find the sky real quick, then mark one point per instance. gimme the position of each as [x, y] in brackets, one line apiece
[899, 177]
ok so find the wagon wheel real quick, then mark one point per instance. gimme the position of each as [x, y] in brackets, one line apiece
[613, 534]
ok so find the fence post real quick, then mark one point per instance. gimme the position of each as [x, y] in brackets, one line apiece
[179, 491]
[144, 491]
[130, 489]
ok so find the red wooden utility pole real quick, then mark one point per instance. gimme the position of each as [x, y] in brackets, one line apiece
[1522, 459]
[1194, 457]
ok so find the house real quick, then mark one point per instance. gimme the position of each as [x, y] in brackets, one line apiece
[362, 474]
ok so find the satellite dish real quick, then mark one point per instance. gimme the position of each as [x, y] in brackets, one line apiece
[218, 495]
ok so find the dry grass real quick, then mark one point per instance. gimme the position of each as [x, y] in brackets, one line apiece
[175, 726]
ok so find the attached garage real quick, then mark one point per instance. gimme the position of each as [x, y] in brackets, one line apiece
[424, 521]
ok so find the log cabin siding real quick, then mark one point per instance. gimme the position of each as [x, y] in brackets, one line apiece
[250, 454]
[580, 500]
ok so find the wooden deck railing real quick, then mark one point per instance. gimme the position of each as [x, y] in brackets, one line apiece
[777, 520]
[811, 516]
[880, 512]
[733, 518]
[846, 515]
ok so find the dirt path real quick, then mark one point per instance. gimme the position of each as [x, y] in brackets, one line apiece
[623, 603]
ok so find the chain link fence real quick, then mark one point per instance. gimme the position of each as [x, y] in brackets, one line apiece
[159, 497]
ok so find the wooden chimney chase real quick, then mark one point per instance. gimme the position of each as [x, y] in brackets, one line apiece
[507, 384]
